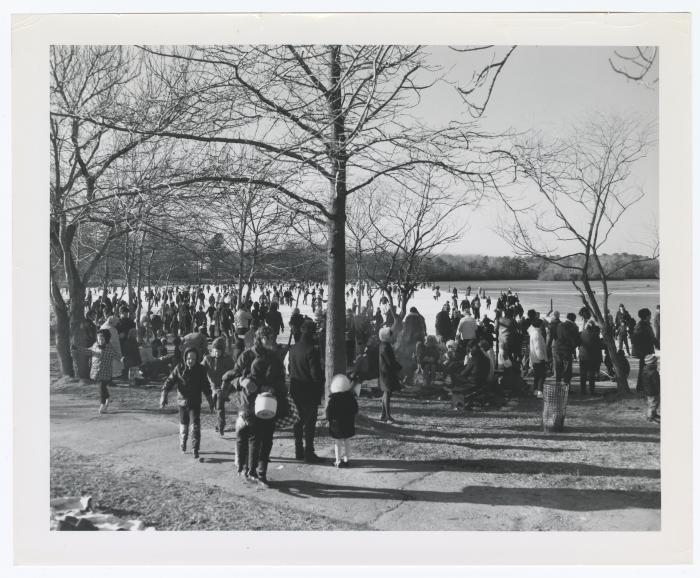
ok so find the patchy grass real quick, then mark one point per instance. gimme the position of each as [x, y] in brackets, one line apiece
[169, 504]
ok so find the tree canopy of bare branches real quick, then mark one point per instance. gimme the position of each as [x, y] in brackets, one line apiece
[582, 192]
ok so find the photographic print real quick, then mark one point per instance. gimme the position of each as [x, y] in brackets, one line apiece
[361, 287]
[385, 287]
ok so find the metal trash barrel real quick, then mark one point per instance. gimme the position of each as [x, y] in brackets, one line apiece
[554, 410]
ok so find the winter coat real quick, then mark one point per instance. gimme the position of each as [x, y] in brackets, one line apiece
[443, 325]
[191, 383]
[568, 339]
[388, 368]
[538, 345]
[101, 367]
[306, 377]
[650, 381]
[274, 320]
[590, 348]
[270, 372]
[216, 368]
[340, 412]
[476, 370]
[643, 339]
[114, 342]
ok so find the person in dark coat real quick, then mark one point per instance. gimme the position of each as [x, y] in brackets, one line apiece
[340, 412]
[443, 325]
[258, 369]
[192, 382]
[643, 341]
[295, 323]
[590, 356]
[389, 370]
[568, 340]
[306, 381]
[274, 319]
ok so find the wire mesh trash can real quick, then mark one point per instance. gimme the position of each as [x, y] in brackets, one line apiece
[554, 410]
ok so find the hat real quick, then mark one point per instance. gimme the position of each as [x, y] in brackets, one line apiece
[340, 383]
[650, 359]
[219, 343]
[385, 334]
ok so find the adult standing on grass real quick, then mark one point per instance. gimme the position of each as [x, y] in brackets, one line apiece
[644, 341]
[590, 356]
[306, 381]
[389, 370]
[568, 340]
[538, 355]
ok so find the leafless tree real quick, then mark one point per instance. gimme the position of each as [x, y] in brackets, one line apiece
[333, 121]
[407, 228]
[582, 192]
[639, 64]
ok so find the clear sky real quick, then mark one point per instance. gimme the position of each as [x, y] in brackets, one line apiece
[548, 88]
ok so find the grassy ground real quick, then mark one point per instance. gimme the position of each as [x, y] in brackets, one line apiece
[168, 504]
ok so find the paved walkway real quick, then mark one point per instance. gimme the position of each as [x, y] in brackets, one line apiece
[391, 494]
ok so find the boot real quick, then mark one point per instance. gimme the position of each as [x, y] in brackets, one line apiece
[261, 477]
[241, 467]
[299, 450]
[196, 438]
[183, 438]
[310, 457]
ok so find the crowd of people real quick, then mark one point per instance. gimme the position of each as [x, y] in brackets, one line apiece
[217, 343]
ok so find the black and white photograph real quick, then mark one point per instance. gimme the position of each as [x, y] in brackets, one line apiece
[359, 287]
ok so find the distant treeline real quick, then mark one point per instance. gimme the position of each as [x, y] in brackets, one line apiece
[480, 267]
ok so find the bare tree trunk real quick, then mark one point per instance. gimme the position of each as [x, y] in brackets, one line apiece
[62, 330]
[127, 271]
[335, 312]
[139, 278]
[335, 315]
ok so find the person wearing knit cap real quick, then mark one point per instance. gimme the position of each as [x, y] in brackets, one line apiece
[217, 364]
[650, 383]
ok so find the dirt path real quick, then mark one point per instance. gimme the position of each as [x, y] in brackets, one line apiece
[433, 470]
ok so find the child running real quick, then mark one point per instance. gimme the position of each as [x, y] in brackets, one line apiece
[102, 354]
[192, 381]
[340, 412]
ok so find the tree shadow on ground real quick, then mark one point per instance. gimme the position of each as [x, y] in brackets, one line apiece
[499, 466]
[473, 446]
[555, 498]
[606, 434]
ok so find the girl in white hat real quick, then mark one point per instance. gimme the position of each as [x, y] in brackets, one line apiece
[340, 412]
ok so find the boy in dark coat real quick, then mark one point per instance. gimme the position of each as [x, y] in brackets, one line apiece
[192, 381]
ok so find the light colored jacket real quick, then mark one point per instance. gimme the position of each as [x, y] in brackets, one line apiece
[538, 345]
